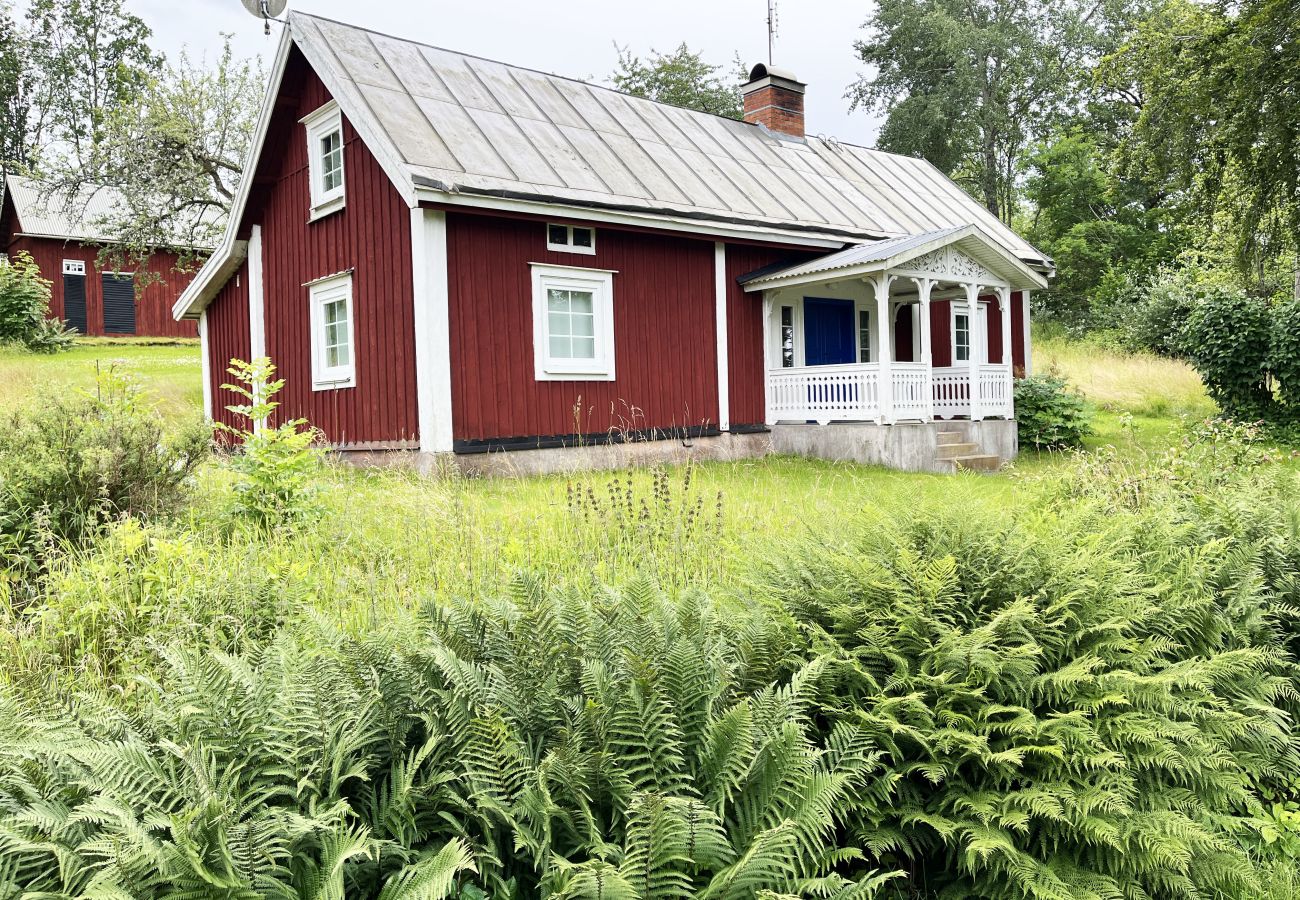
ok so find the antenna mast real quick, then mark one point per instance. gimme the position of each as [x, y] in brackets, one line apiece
[771, 28]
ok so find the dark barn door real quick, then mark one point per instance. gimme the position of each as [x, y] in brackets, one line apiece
[74, 301]
[119, 304]
[829, 336]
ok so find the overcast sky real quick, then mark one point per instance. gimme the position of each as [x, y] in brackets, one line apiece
[575, 37]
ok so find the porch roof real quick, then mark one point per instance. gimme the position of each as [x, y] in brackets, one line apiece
[896, 253]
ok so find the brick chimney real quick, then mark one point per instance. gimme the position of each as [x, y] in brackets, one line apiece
[774, 99]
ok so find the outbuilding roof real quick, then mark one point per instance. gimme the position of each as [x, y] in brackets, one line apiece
[461, 124]
[45, 216]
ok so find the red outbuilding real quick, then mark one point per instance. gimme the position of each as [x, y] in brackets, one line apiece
[65, 239]
[519, 271]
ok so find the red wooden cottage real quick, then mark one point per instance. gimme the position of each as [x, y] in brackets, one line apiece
[455, 256]
[65, 239]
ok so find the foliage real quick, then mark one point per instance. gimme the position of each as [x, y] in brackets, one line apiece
[25, 306]
[681, 78]
[15, 76]
[72, 463]
[616, 746]
[276, 465]
[1284, 353]
[968, 86]
[1049, 416]
[1228, 341]
[1063, 708]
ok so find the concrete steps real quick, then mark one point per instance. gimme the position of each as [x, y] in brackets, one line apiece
[962, 455]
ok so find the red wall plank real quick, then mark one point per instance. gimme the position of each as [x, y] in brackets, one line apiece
[227, 339]
[153, 304]
[1018, 331]
[665, 349]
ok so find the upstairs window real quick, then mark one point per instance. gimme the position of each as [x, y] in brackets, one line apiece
[325, 159]
[573, 324]
[571, 239]
[333, 363]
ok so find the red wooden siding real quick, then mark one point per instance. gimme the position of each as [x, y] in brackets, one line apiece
[227, 339]
[372, 237]
[1018, 332]
[153, 303]
[747, 376]
[664, 333]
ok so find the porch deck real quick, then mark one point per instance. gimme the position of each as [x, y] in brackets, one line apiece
[914, 392]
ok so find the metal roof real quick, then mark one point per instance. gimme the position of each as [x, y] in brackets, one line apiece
[49, 217]
[857, 255]
[460, 124]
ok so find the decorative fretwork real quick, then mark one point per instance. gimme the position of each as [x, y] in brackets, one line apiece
[950, 265]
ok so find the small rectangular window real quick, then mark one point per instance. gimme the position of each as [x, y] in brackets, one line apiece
[573, 323]
[864, 336]
[961, 336]
[325, 159]
[333, 361]
[570, 239]
[787, 337]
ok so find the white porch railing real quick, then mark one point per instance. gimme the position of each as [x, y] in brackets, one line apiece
[852, 392]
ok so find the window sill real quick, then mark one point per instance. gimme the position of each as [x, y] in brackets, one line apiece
[575, 376]
[570, 248]
[324, 385]
[328, 208]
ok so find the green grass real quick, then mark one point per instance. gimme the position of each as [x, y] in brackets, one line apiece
[170, 371]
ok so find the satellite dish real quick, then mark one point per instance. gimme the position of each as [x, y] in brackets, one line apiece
[265, 9]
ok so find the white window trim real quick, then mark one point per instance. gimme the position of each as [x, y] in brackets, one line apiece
[317, 125]
[319, 292]
[568, 232]
[74, 267]
[601, 283]
[960, 309]
[980, 355]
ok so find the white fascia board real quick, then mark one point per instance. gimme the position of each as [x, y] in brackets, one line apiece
[202, 289]
[700, 227]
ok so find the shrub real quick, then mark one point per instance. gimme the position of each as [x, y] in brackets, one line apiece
[24, 306]
[1049, 416]
[276, 466]
[1228, 342]
[72, 462]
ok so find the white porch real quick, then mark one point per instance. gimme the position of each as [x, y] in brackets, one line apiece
[848, 337]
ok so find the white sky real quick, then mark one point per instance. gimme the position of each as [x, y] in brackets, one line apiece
[574, 37]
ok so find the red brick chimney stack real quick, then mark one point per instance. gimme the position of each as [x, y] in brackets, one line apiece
[774, 99]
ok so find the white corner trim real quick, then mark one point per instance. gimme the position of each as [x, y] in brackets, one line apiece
[432, 329]
[205, 364]
[256, 297]
[720, 327]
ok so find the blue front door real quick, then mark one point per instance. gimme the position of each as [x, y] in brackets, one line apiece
[828, 333]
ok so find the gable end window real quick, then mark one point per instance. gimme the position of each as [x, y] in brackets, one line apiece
[571, 239]
[573, 323]
[324, 130]
[333, 347]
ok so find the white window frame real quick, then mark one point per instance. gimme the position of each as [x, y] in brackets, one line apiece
[600, 282]
[320, 292]
[74, 267]
[980, 354]
[569, 246]
[317, 126]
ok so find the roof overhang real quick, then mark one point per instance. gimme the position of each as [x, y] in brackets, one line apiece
[881, 257]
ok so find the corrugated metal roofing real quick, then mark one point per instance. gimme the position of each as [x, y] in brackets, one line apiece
[859, 254]
[468, 125]
[49, 217]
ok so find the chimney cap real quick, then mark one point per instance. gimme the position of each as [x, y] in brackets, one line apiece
[763, 70]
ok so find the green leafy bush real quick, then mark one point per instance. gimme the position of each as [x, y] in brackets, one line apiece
[72, 462]
[25, 305]
[1228, 339]
[276, 467]
[1049, 416]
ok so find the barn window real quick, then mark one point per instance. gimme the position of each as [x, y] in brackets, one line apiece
[573, 323]
[571, 239]
[325, 159]
[333, 357]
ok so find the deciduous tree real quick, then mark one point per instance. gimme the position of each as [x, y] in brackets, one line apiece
[681, 78]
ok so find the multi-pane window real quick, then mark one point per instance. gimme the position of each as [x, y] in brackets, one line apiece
[573, 323]
[570, 238]
[787, 337]
[864, 336]
[571, 317]
[961, 336]
[331, 161]
[325, 159]
[333, 362]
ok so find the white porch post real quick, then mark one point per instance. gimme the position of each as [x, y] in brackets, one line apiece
[973, 356]
[1004, 306]
[925, 286]
[767, 358]
[880, 284]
